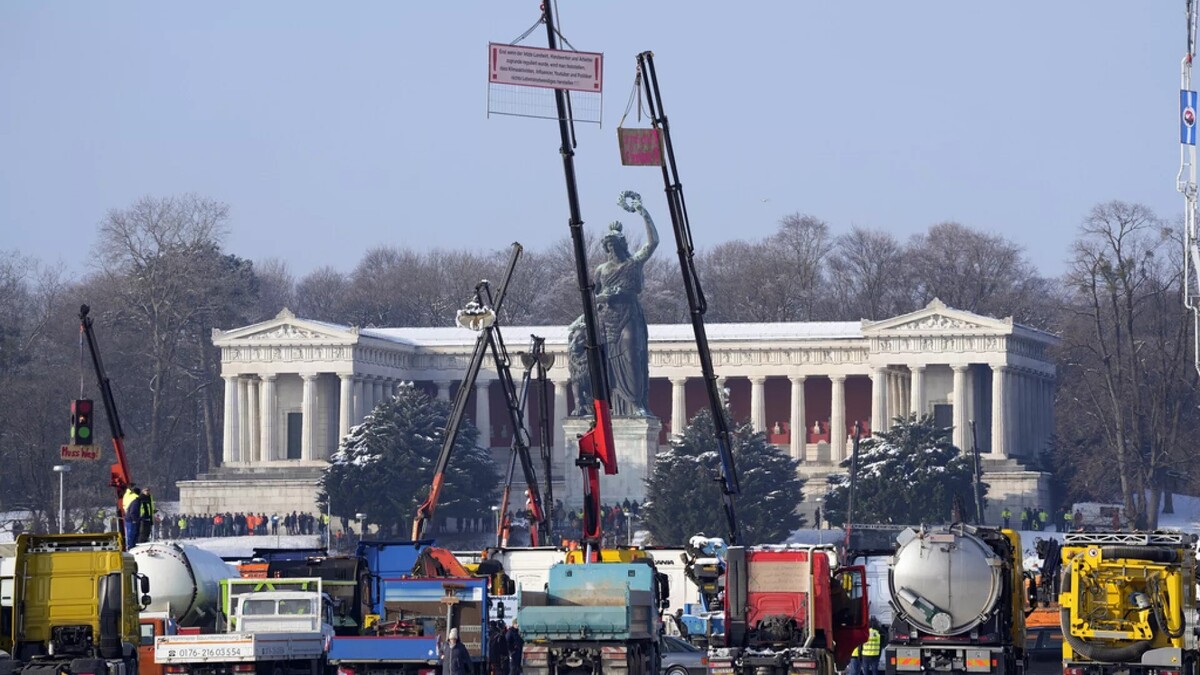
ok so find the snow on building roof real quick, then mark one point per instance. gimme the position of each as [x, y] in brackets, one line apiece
[675, 332]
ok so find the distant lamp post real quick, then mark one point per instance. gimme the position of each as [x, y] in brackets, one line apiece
[61, 470]
[362, 525]
[496, 516]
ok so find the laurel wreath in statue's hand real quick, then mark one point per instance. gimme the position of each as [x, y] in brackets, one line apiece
[630, 201]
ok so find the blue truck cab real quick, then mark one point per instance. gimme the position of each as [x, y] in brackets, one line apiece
[596, 617]
[405, 632]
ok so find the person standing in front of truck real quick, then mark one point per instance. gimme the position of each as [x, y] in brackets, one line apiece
[516, 649]
[456, 660]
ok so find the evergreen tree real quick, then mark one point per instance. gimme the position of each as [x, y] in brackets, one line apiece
[684, 494]
[910, 475]
[384, 466]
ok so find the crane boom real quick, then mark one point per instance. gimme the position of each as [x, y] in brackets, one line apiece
[515, 403]
[1185, 181]
[697, 304]
[596, 447]
[120, 478]
[427, 508]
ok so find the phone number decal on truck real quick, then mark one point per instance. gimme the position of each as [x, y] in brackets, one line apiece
[205, 652]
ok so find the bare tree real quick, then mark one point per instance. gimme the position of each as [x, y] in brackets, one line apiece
[276, 288]
[322, 295]
[173, 284]
[975, 271]
[867, 276]
[1128, 386]
[802, 246]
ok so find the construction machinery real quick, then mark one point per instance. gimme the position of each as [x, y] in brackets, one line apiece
[407, 617]
[960, 601]
[119, 475]
[276, 626]
[1128, 603]
[593, 618]
[73, 600]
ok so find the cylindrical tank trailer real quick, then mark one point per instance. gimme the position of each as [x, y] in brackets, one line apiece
[959, 597]
[184, 581]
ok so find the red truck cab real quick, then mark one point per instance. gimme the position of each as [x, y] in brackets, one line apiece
[790, 609]
[152, 625]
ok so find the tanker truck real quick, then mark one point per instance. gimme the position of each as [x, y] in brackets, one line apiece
[959, 598]
[186, 581]
[1128, 603]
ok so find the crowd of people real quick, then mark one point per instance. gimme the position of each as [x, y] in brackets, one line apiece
[242, 524]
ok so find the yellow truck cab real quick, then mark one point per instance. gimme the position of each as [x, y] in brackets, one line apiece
[74, 606]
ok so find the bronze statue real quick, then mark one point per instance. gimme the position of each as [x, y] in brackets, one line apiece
[577, 365]
[625, 337]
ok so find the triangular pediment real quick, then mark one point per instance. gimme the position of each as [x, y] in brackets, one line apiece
[938, 318]
[286, 328]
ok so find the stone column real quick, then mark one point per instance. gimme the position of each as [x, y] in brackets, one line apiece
[308, 416]
[758, 406]
[360, 402]
[837, 418]
[797, 423]
[345, 404]
[443, 392]
[483, 411]
[229, 453]
[999, 412]
[878, 399]
[245, 449]
[678, 405]
[377, 396]
[268, 419]
[561, 411]
[961, 430]
[916, 403]
[254, 430]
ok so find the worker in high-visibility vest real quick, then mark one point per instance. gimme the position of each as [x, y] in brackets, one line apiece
[866, 656]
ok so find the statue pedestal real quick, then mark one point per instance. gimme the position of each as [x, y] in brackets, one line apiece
[636, 439]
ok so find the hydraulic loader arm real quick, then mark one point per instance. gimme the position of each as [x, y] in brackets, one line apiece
[697, 304]
[120, 478]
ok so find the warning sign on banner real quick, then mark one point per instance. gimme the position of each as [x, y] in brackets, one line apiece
[640, 147]
[79, 452]
[547, 68]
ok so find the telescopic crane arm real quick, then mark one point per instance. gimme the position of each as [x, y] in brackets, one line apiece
[120, 477]
[697, 304]
[1185, 181]
[596, 448]
[515, 402]
[426, 510]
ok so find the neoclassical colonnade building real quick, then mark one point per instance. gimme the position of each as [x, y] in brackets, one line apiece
[294, 387]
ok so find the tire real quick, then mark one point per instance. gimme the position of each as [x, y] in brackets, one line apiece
[677, 670]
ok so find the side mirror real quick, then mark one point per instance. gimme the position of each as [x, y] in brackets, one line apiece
[145, 583]
[145, 602]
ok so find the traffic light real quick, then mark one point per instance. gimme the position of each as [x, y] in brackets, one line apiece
[81, 421]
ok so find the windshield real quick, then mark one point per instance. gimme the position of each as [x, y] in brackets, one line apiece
[295, 607]
[258, 607]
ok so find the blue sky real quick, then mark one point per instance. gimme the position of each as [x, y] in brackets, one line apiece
[330, 128]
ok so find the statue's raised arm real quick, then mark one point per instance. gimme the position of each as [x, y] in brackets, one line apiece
[632, 202]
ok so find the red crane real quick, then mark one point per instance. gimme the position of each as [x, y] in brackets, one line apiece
[120, 478]
[596, 447]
